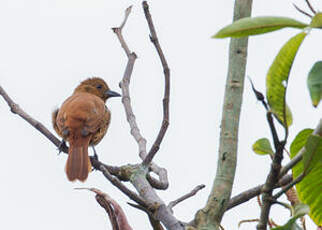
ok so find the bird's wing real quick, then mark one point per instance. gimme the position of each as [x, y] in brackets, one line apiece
[81, 111]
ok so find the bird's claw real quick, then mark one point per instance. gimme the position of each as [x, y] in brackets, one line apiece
[95, 156]
[61, 146]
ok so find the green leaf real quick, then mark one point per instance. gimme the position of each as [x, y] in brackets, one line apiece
[314, 83]
[299, 211]
[316, 21]
[277, 79]
[263, 147]
[257, 25]
[313, 155]
[309, 189]
[299, 141]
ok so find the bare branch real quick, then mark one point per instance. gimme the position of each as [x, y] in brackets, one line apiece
[118, 31]
[127, 13]
[124, 84]
[302, 11]
[253, 192]
[290, 185]
[162, 183]
[165, 122]
[292, 162]
[156, 225]
[138, 178]
[247, 221]
[310, 6]
[186, 196]
[36, 124]
[116, 182]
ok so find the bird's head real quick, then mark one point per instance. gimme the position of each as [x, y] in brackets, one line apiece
[98, 87]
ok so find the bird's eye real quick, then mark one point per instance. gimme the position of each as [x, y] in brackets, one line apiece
[99, 86]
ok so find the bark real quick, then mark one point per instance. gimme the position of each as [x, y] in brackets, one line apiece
[210, 216]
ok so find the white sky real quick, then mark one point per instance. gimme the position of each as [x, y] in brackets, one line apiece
[49, 46]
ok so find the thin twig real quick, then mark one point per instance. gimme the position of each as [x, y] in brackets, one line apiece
[310, 6]
[138, 178]
[165, 122]
[285, 205]
[156, 225]
[270, 121]
[290, 185]
[118, 31]
[292, 162]
[247, 221]
[15, 108]
[162, 183]
[116, 182]
[124, 84]
[253, 192]
[302, 11]
[186, 196]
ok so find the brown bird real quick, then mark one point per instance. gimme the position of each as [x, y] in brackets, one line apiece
[82, 120]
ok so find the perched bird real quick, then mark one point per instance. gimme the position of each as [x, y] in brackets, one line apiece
[82, 120]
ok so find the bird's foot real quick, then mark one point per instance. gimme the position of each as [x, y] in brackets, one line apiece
[95, 153]
[95, 156]
[62, 146]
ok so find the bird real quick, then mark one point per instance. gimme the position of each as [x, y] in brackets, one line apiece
[82, 121]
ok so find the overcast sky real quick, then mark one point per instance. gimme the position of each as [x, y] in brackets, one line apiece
[49, 46]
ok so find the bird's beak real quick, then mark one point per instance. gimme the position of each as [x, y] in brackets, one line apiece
[110, 93]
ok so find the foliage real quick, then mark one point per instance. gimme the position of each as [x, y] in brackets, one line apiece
[277, 79]
[257, 25]
[314, 83]
[263, 147]
[309, 189]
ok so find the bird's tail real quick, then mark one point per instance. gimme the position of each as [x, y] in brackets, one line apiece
[78, 163]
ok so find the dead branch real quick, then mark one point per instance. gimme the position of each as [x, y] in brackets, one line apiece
[310, 6]
[186, 196]
[15, 108]
[156, 225]
[138, 177]
[162, 183]
[116, 182]
[302, 11]
[165, 122]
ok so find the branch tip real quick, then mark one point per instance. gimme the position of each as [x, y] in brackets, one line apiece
[164, 125]
[310, 6]
[186, 196]
[302, 11]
